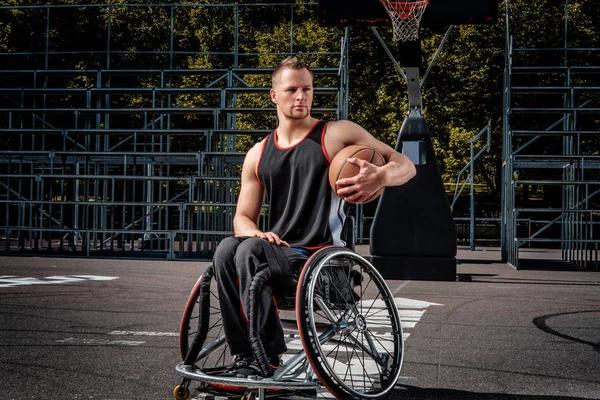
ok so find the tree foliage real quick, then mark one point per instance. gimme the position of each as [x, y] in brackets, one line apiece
[463, 91]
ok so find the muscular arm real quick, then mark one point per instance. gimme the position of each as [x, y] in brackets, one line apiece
[397, 171]
[250, 199]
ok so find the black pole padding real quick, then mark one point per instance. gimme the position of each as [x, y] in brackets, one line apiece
[413, 235]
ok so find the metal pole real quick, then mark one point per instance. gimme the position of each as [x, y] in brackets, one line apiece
[108, 28]
[437, 52]
[506, 148]
[148, 201]
[566, 60]
[472, 205]
[76, 207]
[236, 44]
[171, 37]
[47, 36]
[388, 52]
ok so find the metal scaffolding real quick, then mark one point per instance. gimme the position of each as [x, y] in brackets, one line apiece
[133, 158]
[550, 147]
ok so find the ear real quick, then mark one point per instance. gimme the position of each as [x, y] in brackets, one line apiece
[272, 92]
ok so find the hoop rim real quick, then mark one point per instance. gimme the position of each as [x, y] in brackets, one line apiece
[407, 5]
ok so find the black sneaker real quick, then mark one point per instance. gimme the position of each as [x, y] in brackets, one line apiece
[253, 369]
[245, 366]
[240, 361]
[248, 370]
[275, 362]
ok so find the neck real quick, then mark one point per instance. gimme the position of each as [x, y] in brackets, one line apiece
[290, 131]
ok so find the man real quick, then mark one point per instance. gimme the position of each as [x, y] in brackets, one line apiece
[290, 168]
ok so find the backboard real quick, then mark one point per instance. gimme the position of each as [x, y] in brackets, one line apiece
[438, 12]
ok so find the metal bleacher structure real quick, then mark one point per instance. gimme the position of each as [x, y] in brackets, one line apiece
[126, 139]
[110, 148]
[551, 142]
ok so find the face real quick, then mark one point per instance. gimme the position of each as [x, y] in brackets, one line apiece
[292, 92]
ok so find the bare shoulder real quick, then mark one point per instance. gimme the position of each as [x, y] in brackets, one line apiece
[344, 133]
[253, 155]
[344, 128]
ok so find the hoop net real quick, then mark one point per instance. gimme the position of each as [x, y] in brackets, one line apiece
[406, 17]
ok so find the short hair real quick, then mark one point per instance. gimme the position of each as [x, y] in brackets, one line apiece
[290, 62]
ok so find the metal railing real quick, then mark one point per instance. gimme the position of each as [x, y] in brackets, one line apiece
[139, 152]
[549, 146]
[470, 178]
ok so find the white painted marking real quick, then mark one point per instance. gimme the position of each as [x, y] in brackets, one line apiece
[10, 281]
[400, 287]
[13, 281]
[62, 279]
[402, 302]
[411, 315]
[100, 342]
[96, 277]
[408, 309]
[143, 333]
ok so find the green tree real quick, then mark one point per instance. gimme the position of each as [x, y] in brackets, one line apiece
[462, 92]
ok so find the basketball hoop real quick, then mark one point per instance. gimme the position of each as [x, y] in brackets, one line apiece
[406, 17]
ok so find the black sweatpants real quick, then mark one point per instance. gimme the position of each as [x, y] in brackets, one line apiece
[236, 261]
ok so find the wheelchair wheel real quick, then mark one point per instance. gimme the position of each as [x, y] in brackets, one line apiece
[201, 335]
[349, 325]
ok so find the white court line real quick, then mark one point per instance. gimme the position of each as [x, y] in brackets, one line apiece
[13, 281]
[409, 312]
[106, 342]
[143, 333]
[399, 287]
[99, 342]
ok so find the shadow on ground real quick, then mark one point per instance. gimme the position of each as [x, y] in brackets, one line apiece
[554, 265]
[414, 393]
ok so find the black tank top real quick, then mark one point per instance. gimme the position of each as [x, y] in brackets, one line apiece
[303, 210]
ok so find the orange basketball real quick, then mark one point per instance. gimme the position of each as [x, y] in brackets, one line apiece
[340, 168]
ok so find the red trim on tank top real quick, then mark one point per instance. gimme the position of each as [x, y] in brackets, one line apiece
[296, 144]
[314, 248]
[262, 151]
[323, 143]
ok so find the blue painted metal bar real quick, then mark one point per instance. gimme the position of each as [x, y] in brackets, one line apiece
[557, 145]
[84, 172]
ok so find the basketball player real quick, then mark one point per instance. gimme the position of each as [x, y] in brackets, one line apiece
[290, 168]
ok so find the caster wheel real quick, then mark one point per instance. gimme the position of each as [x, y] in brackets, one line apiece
[181, 392]
[250, 395]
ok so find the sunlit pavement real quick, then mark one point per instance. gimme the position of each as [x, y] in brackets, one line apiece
[107, 329]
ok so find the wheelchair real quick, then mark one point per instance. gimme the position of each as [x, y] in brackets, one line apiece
[342, 330]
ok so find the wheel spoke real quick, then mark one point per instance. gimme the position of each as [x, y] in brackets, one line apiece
[363, 356]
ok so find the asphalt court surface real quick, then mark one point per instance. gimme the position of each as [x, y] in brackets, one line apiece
[107, 329]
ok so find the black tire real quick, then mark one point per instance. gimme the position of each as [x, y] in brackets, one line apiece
[201, 328]
[349, 325]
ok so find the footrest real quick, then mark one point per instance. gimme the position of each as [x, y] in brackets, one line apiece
[195, 374]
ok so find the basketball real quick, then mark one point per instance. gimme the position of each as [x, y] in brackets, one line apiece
[340, 168]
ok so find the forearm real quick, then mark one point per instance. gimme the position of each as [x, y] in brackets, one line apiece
[398, 170]
[244, 226]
